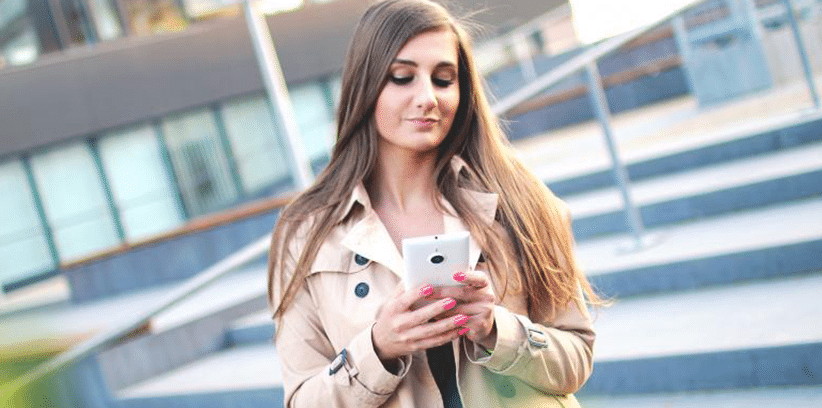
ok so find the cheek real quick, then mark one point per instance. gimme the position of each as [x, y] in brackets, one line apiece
[450, 104]
[386, 111]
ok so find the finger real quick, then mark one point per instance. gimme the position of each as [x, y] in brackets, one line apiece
[460, 292]
[437, 327]
[471, 278]
[437, 340]
[424, 314]
[469, 294]
[408, 298]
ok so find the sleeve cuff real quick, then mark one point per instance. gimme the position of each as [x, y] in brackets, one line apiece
[510, 342]
[370, 371]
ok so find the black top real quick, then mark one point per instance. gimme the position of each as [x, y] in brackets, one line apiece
[444, 368]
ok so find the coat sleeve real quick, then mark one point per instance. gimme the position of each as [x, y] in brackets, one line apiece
[555, 357]
[315, 374]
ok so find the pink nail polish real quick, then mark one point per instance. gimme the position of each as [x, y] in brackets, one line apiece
[464, 330]
[459, 276]
[449, 304]
[461, 320]
[426, 290]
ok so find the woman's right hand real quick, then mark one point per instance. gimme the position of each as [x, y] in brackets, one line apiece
[400, 331]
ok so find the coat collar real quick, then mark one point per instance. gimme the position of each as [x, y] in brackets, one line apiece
[485, 204]
[369, 238]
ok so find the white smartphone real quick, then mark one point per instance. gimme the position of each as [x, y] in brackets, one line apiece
[434, 259]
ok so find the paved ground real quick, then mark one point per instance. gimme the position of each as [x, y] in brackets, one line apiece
[708, 179]
[666, 127]
[760, 397]
[243, 368]
[771, 226]
[746, 315]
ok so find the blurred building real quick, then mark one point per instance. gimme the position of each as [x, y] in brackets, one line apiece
[122, 120]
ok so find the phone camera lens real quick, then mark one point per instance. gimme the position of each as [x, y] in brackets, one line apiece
[437, 259]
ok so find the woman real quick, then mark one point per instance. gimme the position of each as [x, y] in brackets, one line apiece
[418, 153]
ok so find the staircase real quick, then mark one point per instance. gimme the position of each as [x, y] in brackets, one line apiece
[722, 309]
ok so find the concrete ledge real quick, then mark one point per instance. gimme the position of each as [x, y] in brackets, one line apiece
[166, 261]
[148, 356]
[772, 366]
[704, 205]
[723, 269]
[234, 399]
[257, 333]
[790, 136]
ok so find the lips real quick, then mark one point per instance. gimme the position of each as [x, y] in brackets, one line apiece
[423, 120]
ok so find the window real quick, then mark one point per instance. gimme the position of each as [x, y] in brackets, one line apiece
[74, 201]
[336, 86]
[80, 29]
[24, 251]
[145, 17]
[105, 19]
[199, 161]
[314, 119]
[140, 183]
[18, 39]
[260, 156]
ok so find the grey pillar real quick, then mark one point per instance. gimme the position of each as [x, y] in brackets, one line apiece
[272, 76]
[600, 105]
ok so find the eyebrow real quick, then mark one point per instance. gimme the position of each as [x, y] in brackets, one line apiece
[414, 64]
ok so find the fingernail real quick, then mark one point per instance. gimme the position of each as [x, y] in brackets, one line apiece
[464, 330]
[449, 304]
[459, 276]
[426, 290]
[460, 320]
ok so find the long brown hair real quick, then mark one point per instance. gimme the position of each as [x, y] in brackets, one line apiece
[530, 251]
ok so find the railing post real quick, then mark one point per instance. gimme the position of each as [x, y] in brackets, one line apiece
[685, 52]
[803, 56]
[600, 105]
[275, 86]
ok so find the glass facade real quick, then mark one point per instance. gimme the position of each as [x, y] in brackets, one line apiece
[70, 201]
[24, 249]
[315, 118]
[140, 182]
[255, 144]
[74, 201]
[145, 17]
[199, 160]
[104, 16]
[18, 38]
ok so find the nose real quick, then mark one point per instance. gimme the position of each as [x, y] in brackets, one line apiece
[425, 97]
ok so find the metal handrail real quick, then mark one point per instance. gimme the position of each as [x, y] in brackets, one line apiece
[258, 248]
[579, 63]
[186, 289]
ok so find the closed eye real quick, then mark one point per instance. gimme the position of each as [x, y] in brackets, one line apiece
[442, 83]
[401, 80]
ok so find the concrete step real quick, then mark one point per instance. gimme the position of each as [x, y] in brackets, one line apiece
[195, 328]
[586, 166]
[756, 334]
[808, 396]
[240, 377]
[254, 328]
[779, 241]
[774, 241]
[762, 180]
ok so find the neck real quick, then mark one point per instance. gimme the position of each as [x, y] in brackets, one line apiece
[403, 180]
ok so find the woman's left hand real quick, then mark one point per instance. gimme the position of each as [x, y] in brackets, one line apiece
[475, 299]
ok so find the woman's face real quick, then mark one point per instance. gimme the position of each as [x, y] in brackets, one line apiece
[416, 107]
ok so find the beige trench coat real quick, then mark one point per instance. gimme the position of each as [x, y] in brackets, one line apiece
[324, 338]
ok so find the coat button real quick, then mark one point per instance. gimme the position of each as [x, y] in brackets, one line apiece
[505, 387]
[361, 290]
[360, 260]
